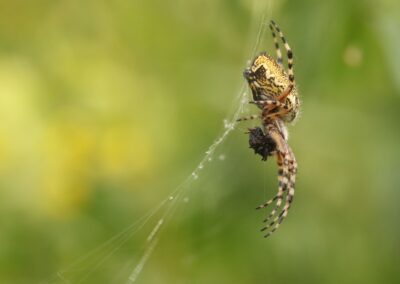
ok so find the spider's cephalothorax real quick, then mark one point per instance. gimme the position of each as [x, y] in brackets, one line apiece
[274, 92]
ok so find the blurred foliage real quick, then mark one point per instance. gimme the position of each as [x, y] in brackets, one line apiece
[106, 106]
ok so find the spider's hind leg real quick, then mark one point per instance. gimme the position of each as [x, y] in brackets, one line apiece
[283, 182]
[289, 52]
[290, 188]
[277, 48]
[287, 168]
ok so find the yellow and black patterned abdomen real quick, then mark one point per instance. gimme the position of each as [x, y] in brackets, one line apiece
[268, 80]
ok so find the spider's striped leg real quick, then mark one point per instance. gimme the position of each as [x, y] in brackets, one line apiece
[282, 173]
[286, 175]
[288, 51]
[277, 48]
[273, 132]
[250, 117]
[293, 172]
[285, 93]
[269, 104]
[289, 197]
[269, 116]
[283, 177]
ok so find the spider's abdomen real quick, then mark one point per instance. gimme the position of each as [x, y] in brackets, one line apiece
[268, 75]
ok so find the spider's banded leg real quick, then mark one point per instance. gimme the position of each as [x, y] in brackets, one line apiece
[293, 172]
[251, 117]
[277, 48]
[283, 213]
[267, 116]
[289, 169]
[266, 102]
[277, 137]
[270, 104]
[288, 51]
[282, 97]
[289, 197]
[282, 187]
[266, 204]
[283, 177]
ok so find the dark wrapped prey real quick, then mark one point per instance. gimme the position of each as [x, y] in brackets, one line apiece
[261, 143]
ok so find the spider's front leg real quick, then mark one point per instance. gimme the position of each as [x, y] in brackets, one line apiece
[250, 117]
[281, 111]
[274, 102]
[282, 97]
[273, 110]
[267, 105]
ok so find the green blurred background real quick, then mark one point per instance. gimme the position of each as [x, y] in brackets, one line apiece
[106, 106]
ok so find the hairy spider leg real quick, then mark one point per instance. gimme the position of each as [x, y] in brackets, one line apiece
[289, 198]
[286, 175]
[288, 51]
[283, 178]
[277, 47]
[250, 117]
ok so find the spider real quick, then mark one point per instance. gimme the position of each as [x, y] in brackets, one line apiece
[275, 94]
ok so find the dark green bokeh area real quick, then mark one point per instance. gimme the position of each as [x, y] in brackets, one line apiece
[107, 106]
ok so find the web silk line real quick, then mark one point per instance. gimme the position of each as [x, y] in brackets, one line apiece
[229, 126]
[172, 201]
